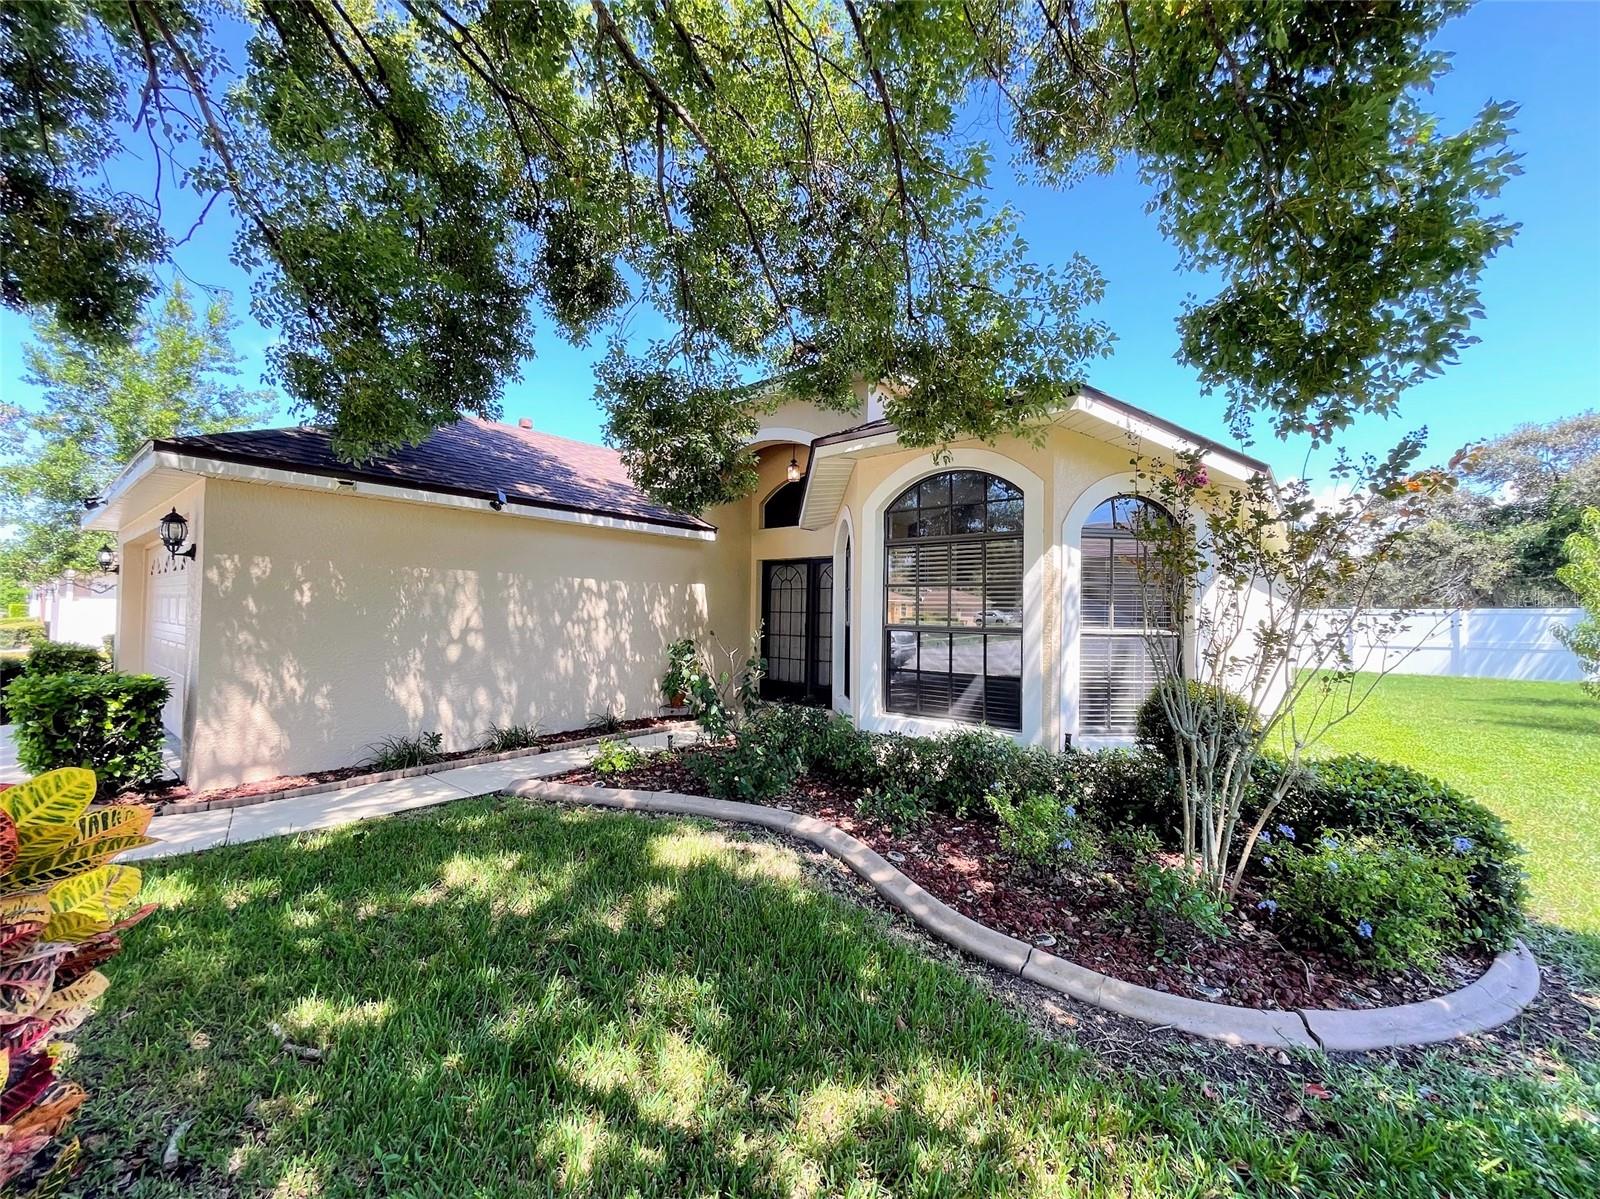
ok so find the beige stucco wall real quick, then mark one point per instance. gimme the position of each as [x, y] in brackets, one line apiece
[1066, 465]
[329, 621]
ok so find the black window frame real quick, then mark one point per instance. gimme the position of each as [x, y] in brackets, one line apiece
[998, 703]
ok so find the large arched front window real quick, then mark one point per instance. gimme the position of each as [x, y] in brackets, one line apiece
[1125, 619]
[953, 599]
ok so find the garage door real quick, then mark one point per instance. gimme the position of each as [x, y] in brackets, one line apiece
[166, 635]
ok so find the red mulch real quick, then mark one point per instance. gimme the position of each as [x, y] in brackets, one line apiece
[1095, 915]
[180, 793]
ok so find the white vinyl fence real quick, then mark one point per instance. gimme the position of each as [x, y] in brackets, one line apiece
[1480, 643]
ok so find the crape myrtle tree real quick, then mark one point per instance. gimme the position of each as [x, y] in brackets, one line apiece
[798, 188]
[1241, 569]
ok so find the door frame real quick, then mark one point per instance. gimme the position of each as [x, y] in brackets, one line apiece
[812, 691]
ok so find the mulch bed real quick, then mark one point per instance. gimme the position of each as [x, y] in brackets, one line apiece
[1093, 917]
[181, 793]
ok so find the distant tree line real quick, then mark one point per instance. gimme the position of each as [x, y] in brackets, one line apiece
[1496, 541]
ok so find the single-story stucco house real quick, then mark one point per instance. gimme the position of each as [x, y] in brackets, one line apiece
[497, 574]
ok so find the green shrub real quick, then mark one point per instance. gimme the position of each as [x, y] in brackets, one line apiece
[1363, 795]
[1155, 731]
[843, 752]
[1179, 904]
[898, 806]
[19, 634]
[1368, 897]
[1041, 830]
[754, 770]
[109, 723]
[404, 753]
[12, 664]
[505, 738]
[808, 731]
[62, 657]
[616, 756]
[1131, 788]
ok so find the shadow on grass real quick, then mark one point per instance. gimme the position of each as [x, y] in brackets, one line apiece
[512, 999]
[1546, 715]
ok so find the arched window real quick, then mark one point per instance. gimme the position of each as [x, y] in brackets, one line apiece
[782, 509]
[1125, 619]
[953, 599]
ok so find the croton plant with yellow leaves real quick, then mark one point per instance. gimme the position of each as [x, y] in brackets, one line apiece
[63, 909]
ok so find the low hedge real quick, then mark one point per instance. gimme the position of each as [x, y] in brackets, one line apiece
[1354, 798]
[110, 723]
[1356, 794]
[65, 657]
[20, 634]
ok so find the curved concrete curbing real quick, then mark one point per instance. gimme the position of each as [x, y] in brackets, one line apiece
[1507, 987]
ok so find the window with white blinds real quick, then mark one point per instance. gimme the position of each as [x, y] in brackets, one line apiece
[953, 599]
[1120, 608]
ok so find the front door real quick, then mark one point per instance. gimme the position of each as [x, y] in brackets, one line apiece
[797, 630]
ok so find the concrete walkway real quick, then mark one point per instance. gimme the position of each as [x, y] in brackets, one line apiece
[195, 831]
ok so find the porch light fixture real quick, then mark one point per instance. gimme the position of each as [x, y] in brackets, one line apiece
[174, 532]
[106, 559]
[793, 473]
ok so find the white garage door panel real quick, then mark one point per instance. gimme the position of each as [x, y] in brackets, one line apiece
[166, 637]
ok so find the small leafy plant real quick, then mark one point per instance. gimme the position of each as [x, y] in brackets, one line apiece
[63, 910]
[1180, 905]
[505, 738]
[894, 804]
[404, 753]
[752, 771]
[718, 700]
[609, 722]
[1042, 831]
[1369, 897]
[616, 756]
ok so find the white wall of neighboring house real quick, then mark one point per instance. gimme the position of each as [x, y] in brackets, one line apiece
[1483, 643]
[76, 608]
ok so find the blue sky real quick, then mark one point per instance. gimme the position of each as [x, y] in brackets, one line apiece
[1540, 353]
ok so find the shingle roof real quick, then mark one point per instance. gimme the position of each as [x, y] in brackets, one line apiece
[469, 458]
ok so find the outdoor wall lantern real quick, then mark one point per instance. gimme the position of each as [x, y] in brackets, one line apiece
[107, 560]
[174, 532]
[794, 466]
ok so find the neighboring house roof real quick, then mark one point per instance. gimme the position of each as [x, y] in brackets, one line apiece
[874, 427]
[473, 458]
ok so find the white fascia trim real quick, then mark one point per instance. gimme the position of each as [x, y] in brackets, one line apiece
[1234, 466]
[876, 441]
[870, 706]
[138, 467]
[279, 477]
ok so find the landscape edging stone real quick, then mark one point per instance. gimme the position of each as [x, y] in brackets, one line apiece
[1498, 996]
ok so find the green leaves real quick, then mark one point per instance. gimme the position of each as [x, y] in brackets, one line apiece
[102, 402]
[796, 188]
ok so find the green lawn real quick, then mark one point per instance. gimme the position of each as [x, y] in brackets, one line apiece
[513, 1000]
[1530, 751]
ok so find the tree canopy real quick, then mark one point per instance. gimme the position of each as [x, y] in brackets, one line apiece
[1497, 539]
[101, 402]
[800, 187]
